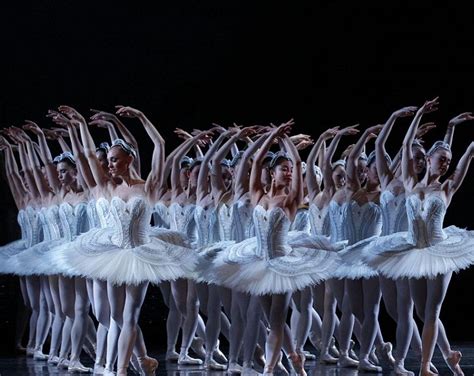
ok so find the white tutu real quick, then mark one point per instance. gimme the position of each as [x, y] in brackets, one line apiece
[273, 262]
[130, 251]
[426, 250]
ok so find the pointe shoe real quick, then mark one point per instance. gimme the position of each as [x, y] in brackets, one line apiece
[99, 370]
[171, 356]
[345, 361]
[308, 355]
[197, 345]
[219, 355]
[259, 356]
[211, 365]
[268, 371]
[327, 359]
[453, 363]
[30, 351]
[63, 363]
[297, 362]
[352, 352]
[77, 367]
[366, 366]
[400, 370]
[248, 370]
[433, 368]
[38, 355]
[374, 358]
[134, 365]
[280, 368]
[108, 372]
[332, 348]
[234, 367]
[427, 373]
[53, 359]
[186, 360]
[148, 365]
[385, 354]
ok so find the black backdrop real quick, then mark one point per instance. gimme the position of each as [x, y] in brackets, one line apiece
[192, 64]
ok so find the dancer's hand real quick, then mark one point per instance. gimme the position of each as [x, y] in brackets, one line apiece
[129, 112]
[32, 127]
[424, 129]
[101, 123]
[465, 116]
[429, 106]
[72, 114]
[405, 111]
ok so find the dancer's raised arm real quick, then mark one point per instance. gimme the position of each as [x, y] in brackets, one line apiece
[461, 118]
[452, 184]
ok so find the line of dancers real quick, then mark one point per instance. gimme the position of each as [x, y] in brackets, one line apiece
[237, 231]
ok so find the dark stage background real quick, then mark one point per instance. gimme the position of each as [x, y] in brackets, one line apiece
[197, 63]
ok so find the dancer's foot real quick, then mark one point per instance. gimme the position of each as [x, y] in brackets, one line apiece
[308, 355]
[366, 366]
[352, 352]
[400, 370]
[385, 354]
[30, 351]
[268, 371]
[53, 359]
[148, 365]
[134, 365]
[297, 362]
[108, 372]
[332, 348]
[218, 355]
[259, 356]
[38, 355]
[211, 364]
[234, 367]
[327, 359]
[63, 363]
[374, 358]
[453, 361]
[427, 373]
[122, 371]
[77, 367]
[186, 360]
[433, 368]
[197, 345]
[99, 370]
[345, 361]
[280, 368]
[172, 356]
[248, 370]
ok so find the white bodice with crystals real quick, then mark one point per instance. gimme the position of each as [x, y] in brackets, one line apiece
[182, 220]
[224, 216]
[337, 215]
[301, 221]
[363, 221]
[319, 220]
[394, 213]
[74, 219]
[161, 215]
[242, 222]
[205, 224]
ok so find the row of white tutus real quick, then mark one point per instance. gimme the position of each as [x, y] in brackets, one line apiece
[122, 247]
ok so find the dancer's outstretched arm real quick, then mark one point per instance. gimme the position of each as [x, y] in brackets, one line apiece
[461, 118]
[452, 184]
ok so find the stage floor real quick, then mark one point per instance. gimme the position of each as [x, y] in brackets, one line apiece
[21, 365]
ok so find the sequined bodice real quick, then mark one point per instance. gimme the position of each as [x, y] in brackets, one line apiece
[131, 221]
[92, 215]
[182, 220]
[50, 222]
[319, 220]
[363, 221]
[425, 219]
[205, 223]
[74, 219]
[337, 215]
[271, 230]
[301, 221]
[161, 215]
[394, 213]
[30, 225]
[242, 224]
[224, 221]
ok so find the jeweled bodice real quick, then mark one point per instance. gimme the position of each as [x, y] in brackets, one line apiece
[301, 221]
[161, 215]
[205, 223]
[363, 221]
[394, 213]
[131, 221]
[182, 220]
[33, 226]
[271, 231]
[224, 221]
[319, 220]
[50, 222]
[242, 223]
[425, 219]
[74, 219]
[337, 215]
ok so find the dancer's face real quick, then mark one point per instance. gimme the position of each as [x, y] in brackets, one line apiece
[339, 177]
[193, 175]
[439, 161]
[372, 175]
[282, 173]
[119, 161]
[419, 160]
[227, 177]
[266, 177]
[102, 158]
[362, 170]
[67, 174]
